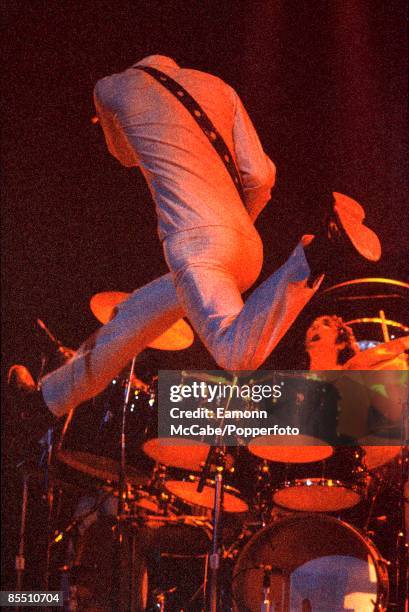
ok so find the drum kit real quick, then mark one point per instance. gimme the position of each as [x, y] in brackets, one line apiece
[262, 527]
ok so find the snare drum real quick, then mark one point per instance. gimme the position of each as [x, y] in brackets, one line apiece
[339, 483]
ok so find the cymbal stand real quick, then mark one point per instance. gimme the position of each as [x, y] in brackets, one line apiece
[118, 557]
[217, 454]
[400, 576]
[77, 521]
[50, 453]
[20, 557]
[48, 442]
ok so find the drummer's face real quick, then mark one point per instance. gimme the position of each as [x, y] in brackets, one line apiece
[323, 331]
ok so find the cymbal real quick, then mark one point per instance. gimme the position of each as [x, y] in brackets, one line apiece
[375, 357]
[388, 322]
[361, 281]
[377, 455]
[102, 468]
[103, 304]
[179, 336]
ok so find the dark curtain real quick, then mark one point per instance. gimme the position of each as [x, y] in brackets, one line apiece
[324, 81]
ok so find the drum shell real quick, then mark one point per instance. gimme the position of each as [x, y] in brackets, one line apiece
[306, 404]
[338, 483]
[95, 430]
[157, 557]
[297, 540]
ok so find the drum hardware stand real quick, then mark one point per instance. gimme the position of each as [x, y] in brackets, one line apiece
[118, 556]
[216, 453]
[267, 604]
[20, 564]
[50, 454]
[374, 497]
[72, 525]
[402, 540]
[50, 496]
[401, 560]
[263, 483]
[160, 598]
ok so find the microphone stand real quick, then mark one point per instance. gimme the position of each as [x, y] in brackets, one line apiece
[118, 558]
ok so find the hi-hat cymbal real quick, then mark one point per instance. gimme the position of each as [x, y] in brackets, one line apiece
[179, 336]
[102, 468]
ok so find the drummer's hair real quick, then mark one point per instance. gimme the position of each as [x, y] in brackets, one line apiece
[345, 334]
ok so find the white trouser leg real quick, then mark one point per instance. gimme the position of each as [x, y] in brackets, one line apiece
[211, 270]
[144, 316]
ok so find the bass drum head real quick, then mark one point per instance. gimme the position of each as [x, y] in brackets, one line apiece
[315, 562]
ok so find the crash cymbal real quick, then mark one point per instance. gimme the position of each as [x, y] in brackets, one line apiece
[103, 304]
[102, 468]
[370, 281]
[388, 322]
[377, 455]
[179, 336]
[374, 358]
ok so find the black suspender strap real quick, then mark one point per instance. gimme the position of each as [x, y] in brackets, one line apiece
[203, 121]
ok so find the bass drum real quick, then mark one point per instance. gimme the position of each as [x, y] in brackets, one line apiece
[310, 562]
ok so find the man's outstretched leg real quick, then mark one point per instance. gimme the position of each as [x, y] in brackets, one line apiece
[144, 316]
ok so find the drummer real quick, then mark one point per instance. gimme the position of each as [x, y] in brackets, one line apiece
[375, 381]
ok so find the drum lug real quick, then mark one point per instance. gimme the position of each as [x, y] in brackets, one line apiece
[385, 562]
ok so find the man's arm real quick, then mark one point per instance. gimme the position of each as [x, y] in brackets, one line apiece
[106, 94]
[256, 168]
